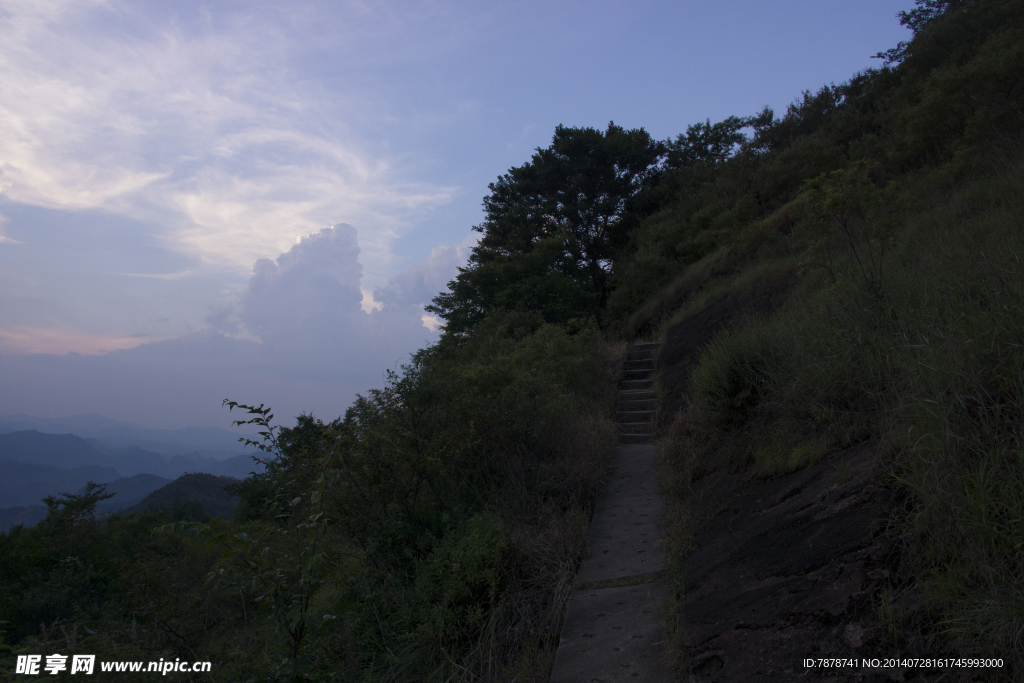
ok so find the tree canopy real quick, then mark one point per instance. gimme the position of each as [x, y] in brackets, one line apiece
[554, 227]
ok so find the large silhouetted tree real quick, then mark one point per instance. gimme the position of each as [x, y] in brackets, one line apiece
[554, 226]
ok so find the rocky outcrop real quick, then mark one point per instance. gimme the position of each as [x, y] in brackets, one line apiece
[787, 569]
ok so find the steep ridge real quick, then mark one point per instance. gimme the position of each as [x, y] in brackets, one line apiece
[612, 630]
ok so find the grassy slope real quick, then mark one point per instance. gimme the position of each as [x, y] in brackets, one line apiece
[893, 219]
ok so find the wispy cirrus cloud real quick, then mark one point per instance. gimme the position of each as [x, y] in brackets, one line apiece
[202, 121]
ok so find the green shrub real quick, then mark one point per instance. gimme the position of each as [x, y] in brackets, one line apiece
[737, 372]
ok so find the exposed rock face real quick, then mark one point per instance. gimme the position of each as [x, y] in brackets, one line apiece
[782, 569]
[786, 569]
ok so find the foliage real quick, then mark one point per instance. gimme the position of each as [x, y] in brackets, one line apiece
[554, 228]
[917, 20]
[735, 374]
[709, 144]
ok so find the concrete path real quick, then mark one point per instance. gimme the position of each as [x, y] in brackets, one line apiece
[625, 534]
[612, 630]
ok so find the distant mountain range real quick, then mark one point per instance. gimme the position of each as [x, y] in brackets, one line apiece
[27, 515]
[34, 464]
[70, 451]
[210, 442]
[28, 483]
[201, 496]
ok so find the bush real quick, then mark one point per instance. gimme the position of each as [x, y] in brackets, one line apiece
[737, 371]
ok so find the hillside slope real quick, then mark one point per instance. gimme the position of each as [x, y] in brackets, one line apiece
[841, 384]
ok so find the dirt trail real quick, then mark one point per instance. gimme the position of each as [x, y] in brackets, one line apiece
[612, 630]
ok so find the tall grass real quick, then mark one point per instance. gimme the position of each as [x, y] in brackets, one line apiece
[958, 328]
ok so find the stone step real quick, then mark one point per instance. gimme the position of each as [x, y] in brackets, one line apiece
[636, 394]
[634, 416]
[629, 437]
[643, 351]
[645, 428]
[637, 374]
[642, 404]
[634, 427]
[637, 404]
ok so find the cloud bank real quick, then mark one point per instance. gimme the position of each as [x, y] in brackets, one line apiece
[297, 338]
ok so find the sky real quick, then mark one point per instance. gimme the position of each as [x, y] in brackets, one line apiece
[254, 200]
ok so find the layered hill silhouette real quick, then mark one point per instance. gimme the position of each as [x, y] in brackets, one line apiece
[129, 491]
[206, 493]
[193, 497]
[210, 442]
[36, 465]
[28, 483]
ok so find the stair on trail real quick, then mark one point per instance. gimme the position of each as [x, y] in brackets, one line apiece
[612, 630]
[637, 401]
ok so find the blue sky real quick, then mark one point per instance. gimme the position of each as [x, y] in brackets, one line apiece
[170, 171]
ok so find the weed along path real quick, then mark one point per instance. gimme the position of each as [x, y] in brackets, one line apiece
[612, 630]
